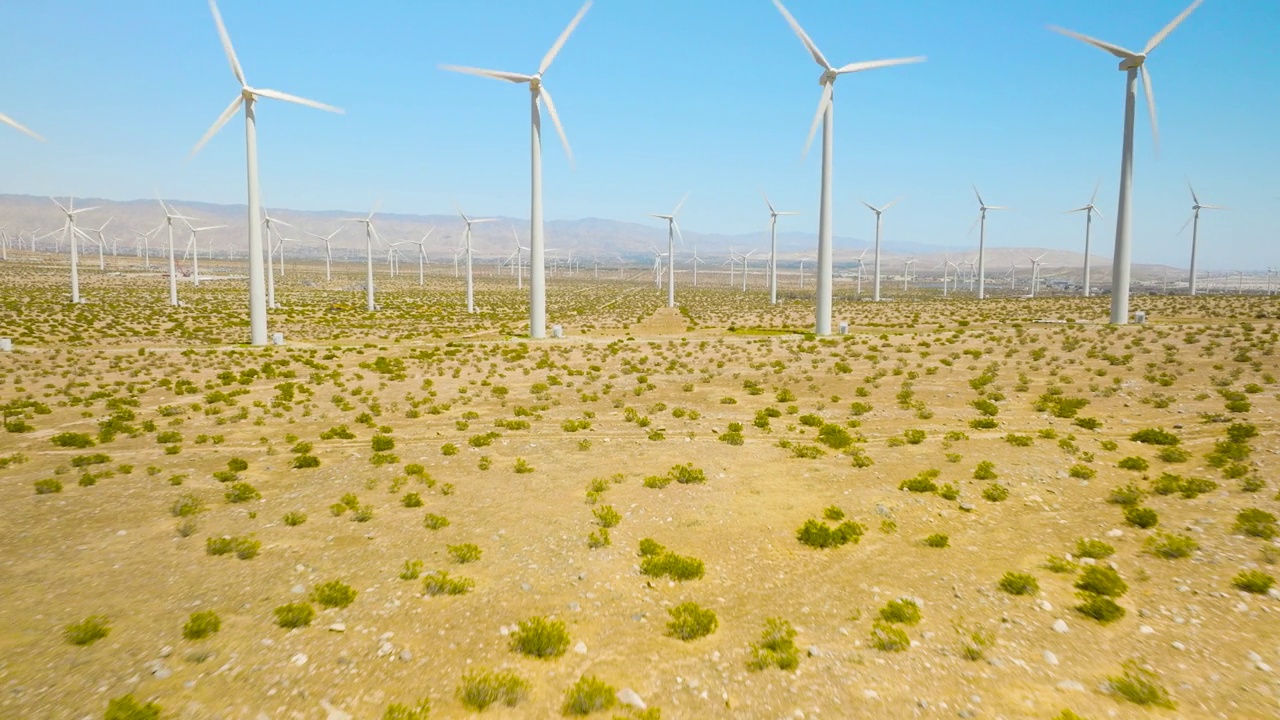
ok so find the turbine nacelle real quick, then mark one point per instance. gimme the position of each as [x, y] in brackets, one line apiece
[1132, 63]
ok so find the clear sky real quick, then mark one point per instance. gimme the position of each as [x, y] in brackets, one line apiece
[660, 97]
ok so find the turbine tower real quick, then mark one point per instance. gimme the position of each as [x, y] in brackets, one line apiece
[169, 217]
[466, 241]
[826, 106]
[1194, 222]
[1132, 64]
[328, 251]
[875, 287]
[672, 229]
[195, 247]
[773, 247]
[70, 230]
[1035, 272]
[369, 235]
[519, 258]
[1089, 211]
[247, 97]
[537, 246]
[982, 242]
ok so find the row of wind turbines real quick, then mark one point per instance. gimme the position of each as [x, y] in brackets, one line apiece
[1132, 63]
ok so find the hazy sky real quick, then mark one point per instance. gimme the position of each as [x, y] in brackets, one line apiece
[660, 97]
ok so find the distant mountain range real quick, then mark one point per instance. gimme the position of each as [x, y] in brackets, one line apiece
[586, 238]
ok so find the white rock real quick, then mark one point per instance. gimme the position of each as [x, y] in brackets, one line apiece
[1044, 605]
[299, 659]
[1114, 533]
[333, 712]
[1071, 685]
[1177, 645]
[630, 697]
[1146, 630]
[580, 648]
[338, 627]
[870, 694]
[1060, 625]
[1050, 658]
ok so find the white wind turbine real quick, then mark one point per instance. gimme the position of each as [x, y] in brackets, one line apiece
[825, 112]
[328, 251]
[1035, 272]
[906, 273]
[773, 247]
[537, 246]
[6, 120]
[802, 262]
[422, 255]
[70, 231]
[1194, 222]
[247, 97]
[466, 242]
[695, 261]
[169, 216]
[1132, 64]
[657, 266]
[982, 241]
[861, 255]
[269, 223]
[101, 242]
[519, 258]
[673, 229]
[1089, 211]
[875, 287]
[369, 235]
[194, 245]
[744, 268]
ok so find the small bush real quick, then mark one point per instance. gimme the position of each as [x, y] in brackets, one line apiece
[245, 548]
[219, 546]
[242, 492]
[1256, 523]
[464, 553]
[1095, 549]
[1127, 495]
[1173, 455]
[482, 688]
[333, 594]
[651, 548]
[889, 638]
[1133, 462]
[1170, 546]
[294, 518]
[1019, 440]
[304, 462]
[48, 486]
[1082, 472]
[411, 500]
[294, 615]
[201, 625]
[984, 423]
[1140, 687]
[541, 638]
[87, 631]
[126, 707]
[434, 522]
[669, 564]
[186, 506]
[995, 492]
[441, 583]
[937, 540]
[382, 443]
[817, 534]
[690, 621]
[72, 440]
[588, 695]
[606, 516]
[903, 610]
[986, 470]
[1100, 608]
[1155, 436]
[1253, 581]
[1100, 580]
[1059, 564]
[400, 711]
[1141, 517]
[776, 647]
[1018, 584]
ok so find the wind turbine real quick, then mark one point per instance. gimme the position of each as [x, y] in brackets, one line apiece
[875, 287]
[657, 266]
[773, 247]
[860, 264]
[101, 243]
[906, 273]
[422, 254]
[6, 120]
[822, 325]
[169, 217]
[70, 230]
[802, 262]
[369, 235]
[1088, 211]
[519, 258]
[1035, 272]
[194, 244]
[537, 246]
[694, 261]
[145, 237]
[328, 251]
[247, 97]
[982, 241]
[744, 268]
[466, 240]
[1132, 64]
[1194, 222]
[269, 223]
[672, 229]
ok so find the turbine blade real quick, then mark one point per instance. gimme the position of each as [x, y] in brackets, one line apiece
[873, 64]
[679, 205]
[555, 120]
[223, 119]
[974, 225]
[804, 37]
[60, 206]
[766, 202]
[1113, 49]
[679, 234]
[817, 117]
[494, 74]
[1095, 210]
[1079, 209]
[870, 207]
[1185, 224]
[555, 49]
[1151, 107]
[226, 43]
[286, 97]
[1194, 199]
[979, 196]
[1214, 207]
[5, 119]
[1164, 33]
[1096, 185]
[895, 202]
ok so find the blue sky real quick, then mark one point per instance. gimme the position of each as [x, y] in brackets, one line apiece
[660, 97]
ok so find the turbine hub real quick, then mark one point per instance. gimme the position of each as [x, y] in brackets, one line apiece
[827, 77]
[1134, 62]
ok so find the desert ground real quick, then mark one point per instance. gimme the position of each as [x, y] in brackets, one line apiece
[1010, 509]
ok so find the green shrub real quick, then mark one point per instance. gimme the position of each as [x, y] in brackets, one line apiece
[903, 610]
[913, 436]
[87, 460]
[400, 711]
[889, 638]
[995, 492]
[1140, 687]
[415, 470]
[1253, 581]
[1141, 517]
[948, 492]
[1059, 564]
[294, 615]
[690, 621]
[1088, 423]
[833, 513]
[434, 522]
[440, 583]
[1100, 580]
[245, 548]
[1127, 495]
[126, 707]
[364, 513]
[539, 637]
[236, 464]
[651, 548]
[1256, 523]
[1019, 440]
[937, 540]
[48, 486]
[776, 647]
[412, 570]
[219, 546]
[606, 516]
[333, 594]
[817, 534]
[72, 440]
[1082, 472]
[304, 462]
[186, 506]
[921, 483]
[482, 688]
[588, 695]
[464, 553]
[1133, 462]
[1155, 436]
[1096, 549]
[242, 492]
[448, 449]
[382, 443]
[1100, 608]
[984, 423]
[411, 500]
[1173, 455]
[1170, 546]
[1018, 584]
[669, 564]
[201, 625]
[294, 518]
[87, 631]
[986, 470]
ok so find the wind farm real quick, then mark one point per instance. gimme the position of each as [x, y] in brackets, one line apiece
[619, 448]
